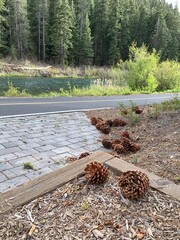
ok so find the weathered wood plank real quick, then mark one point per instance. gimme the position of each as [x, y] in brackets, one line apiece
[46, 183]
[118, 166]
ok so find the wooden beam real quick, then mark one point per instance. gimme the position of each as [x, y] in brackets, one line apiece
[118, 166]
[46, 183]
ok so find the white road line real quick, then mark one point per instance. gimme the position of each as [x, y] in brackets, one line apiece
[85, 101]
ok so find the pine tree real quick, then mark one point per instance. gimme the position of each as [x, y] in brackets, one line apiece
[162, 37]
[82, 41]
[61, 30]
[38, 17]
[100, 31]
[114, 28]
[2, 29]
[18, 28]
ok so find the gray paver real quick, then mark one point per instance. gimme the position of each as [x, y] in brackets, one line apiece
[62, 150]
[2, 177]
[44, 140]
[6, 185]
[5, 166]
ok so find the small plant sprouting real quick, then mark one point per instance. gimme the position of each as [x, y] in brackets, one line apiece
[129, 113]
[85, 206]
[28, 165]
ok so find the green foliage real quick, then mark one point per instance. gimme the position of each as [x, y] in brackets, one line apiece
[61, 30]
[169, 105]
[28, 165]
[14, 91]
[168, 75]
[85, 206]
[142, 66]
[128, 113]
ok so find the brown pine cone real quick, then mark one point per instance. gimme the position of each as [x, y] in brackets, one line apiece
[118, 122]
[126, 144]
[116, 141]
[133, 184]
[137, 110]
[105, 128]
[110, 122]
[94, 120]
[125, 134]
[96, 173]
[107, 143]
[99, 124]
[135, 147]
[85, 154]
[119, 148]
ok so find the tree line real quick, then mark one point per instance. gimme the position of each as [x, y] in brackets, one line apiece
[84, 32]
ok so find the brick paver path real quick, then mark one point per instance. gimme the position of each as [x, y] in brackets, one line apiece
[45, 141]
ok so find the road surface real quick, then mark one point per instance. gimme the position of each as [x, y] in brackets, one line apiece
[29, 106]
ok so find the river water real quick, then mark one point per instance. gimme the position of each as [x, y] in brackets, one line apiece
[37, 85]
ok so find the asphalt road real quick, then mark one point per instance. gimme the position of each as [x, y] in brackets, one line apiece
[29, 106]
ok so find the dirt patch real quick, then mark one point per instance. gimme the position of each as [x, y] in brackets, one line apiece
[159, 139]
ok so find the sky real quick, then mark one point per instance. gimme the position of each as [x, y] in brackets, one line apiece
[174, 2]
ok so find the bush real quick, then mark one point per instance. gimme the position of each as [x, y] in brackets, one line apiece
[168, 75]
[14, 92]
[142, 66]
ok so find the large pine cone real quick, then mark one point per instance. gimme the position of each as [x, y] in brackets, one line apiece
[110, 122]
[94, 120]
[105, 128]
[133, 184]
[125, 134]
[137, 110]
[115, 142]
[118, 122]
[96, 173]
[126, 144]
[107, 143]
[119, 148]
[135, 147]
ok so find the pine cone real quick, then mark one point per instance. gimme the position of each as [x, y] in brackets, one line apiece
[116, 141]
[99, 124]
[85, 154]
[105, 128]
[96, 173]
[107, 143]
[119, 148]
[135, 147]
[137, 110]
[126, 144]
[94, 120]
[110, 122]
[125, 134]
[118, 122]
[133, 184]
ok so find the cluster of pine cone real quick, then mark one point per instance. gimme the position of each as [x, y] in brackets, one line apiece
[105, 126]
[121, 145]
[133, 184]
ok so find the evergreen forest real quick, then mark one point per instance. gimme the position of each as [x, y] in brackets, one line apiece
[85, 32]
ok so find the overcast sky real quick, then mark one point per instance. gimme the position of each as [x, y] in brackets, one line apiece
[174, 2]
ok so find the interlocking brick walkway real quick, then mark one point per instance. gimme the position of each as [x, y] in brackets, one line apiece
[45, 141]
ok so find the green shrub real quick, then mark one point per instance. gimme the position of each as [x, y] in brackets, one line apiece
[168, 75]
[14, 91]
[142, 66]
